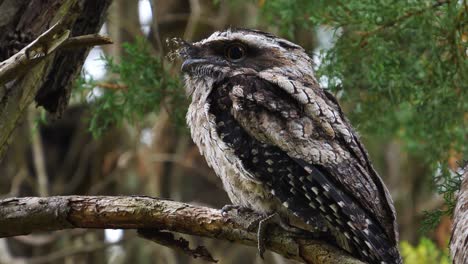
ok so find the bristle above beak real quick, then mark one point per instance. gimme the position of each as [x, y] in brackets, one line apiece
[181, 48]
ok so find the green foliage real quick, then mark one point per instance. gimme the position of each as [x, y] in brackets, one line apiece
[289, 16]
[400, 65]
[447, 184]
[142, 85]
[426, 252]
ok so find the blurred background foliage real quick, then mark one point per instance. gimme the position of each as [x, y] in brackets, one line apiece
[426, 252]
[399, 69]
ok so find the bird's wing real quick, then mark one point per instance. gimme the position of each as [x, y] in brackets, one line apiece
[311, 158]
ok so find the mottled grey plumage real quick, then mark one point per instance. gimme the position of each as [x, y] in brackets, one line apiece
[281, 144]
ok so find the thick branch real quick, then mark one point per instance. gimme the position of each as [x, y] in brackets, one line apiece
[20, 216]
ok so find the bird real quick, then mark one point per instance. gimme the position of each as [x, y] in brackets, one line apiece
[281, 144]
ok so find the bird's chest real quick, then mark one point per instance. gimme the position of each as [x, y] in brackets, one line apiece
[238, 182]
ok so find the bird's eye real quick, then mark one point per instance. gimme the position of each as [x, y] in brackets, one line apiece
[235, 52]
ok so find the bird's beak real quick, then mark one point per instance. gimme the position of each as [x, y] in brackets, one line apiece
[192, 56]
[189, 63]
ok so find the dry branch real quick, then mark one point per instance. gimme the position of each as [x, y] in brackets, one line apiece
[21, 216]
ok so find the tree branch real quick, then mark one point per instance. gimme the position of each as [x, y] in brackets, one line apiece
[37, 50]
[53, 39]
[20, 216]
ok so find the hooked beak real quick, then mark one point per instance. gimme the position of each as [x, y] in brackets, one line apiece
[192, 56]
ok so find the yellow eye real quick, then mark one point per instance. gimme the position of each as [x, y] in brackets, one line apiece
[235, 52]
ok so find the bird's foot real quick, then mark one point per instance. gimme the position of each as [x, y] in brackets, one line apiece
[229, 207]
[263, 223]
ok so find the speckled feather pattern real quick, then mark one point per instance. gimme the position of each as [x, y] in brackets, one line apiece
[281, 144]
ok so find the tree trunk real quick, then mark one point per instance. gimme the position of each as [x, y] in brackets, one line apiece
[48, 81]
[459, 240]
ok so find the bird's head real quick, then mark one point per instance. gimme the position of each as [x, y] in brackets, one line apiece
[241, 51]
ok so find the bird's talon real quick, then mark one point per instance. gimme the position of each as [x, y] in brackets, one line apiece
[261, 232]
[229, 207]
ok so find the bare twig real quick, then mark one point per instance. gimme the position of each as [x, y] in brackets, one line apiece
[85, 41]
[167, 239]
[19, 216]
[112, 86]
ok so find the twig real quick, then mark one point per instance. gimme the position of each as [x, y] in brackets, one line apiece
[112, 86]
[19, 216]
[86, 41]
[167, 239]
